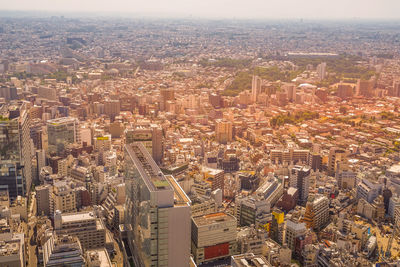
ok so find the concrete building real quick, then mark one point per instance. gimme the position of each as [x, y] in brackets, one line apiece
[368, 190]
[63, 197]
[294, 230]
[249, 259]
[84, 225]
[255, 88]
[12, 247]
[157, 211]
[213, 237]
[250, 208]
[317, 212]
[62, 132]
[63, 250]
[300, 179]
[335, 155]
[223, 131]
[44, 199]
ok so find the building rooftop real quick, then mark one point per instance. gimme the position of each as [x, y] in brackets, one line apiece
[213, 218]
[179, 195]
[82, 216]
[148, 169]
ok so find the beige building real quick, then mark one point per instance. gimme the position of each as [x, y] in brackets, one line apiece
[223, 131]
[63, 197]
[84, 225]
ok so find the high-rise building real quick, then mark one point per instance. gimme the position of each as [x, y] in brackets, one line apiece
[250, 208]
[167, 94]
[365, 87]
[344, 91]
[15, 150]
[293, 231]
[317, 212]
[300, 179]
[157, 212]
[61, 132]
[213, 237]
[255, 88]
[321, 71]
[335, 155]
[223, 131]
[112, 108]
[8, 93]
[43, 199]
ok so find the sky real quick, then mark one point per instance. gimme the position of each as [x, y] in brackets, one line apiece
[247, 9]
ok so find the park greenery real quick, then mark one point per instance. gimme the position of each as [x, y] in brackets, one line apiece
[226, 63]
[242, 81]
[294, 118]
[341, 68]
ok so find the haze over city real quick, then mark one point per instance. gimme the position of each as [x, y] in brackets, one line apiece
[251, 9]
[207, 133]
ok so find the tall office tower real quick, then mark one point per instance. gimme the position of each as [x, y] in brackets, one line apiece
[62, 132]
[335, 155]
[8, 93]
[396, 89]
[43, 199]
[166, 95]
[213, 237]
[321, 71]
[365, 87]
[317, 212]
[157, 212]
[215, 100]
[290, 90]
[151, 136]
[15, 149]
[315, 161]
[47, 92]
[300, 179]
[344, 91]
[223, 131]
[112, 108]
[255, 88]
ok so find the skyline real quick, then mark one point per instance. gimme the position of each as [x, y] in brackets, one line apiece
[221, 9]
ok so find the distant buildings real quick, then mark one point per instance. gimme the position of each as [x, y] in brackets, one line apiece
[255, 88]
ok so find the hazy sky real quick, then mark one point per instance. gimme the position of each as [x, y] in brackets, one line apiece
[383, 9]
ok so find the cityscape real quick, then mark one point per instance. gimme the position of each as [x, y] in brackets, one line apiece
[189, 141]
